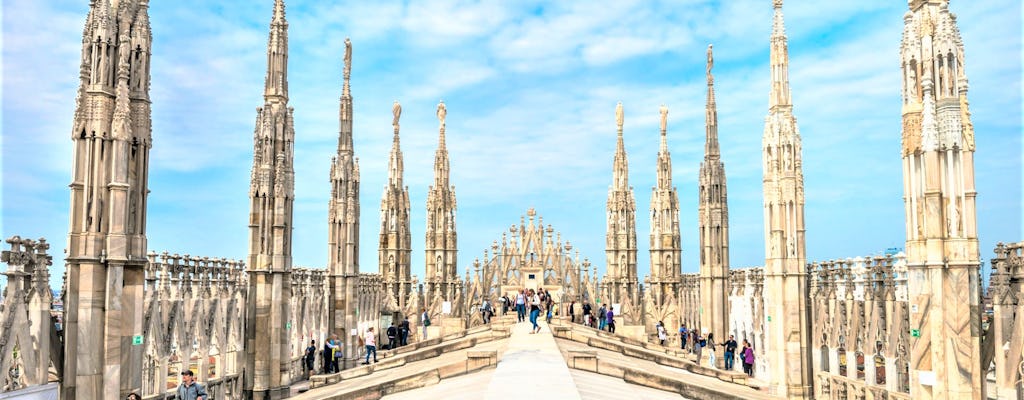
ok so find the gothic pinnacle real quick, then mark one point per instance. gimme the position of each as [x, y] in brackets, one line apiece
[442, 112]
[348, 66]
[619, 117]
[397, 111]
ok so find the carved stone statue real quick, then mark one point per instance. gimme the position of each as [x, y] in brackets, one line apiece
[664, 117]
[348, 58]
[618, 115]
[397, 111]
[442, 112]
[711, 62]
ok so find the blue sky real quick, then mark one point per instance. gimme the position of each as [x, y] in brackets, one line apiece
[531, 89]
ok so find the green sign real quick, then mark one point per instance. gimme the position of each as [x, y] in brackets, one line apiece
[769, 318]
[288, 325]
[915, 333]
[136, 340]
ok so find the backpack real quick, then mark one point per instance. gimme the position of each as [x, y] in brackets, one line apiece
[426, 322]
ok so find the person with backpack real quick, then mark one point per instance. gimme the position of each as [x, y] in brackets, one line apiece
[610, 319]
[392, 336]
[425, 320]
[310, 357]
[747, 355]
[602, 318]
[338, 353]
[485, 311]
[711, 347]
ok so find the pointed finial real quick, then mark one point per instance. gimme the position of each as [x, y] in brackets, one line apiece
[777, 3]
[397, 111]
[664, 119]
[618, 116]
[442, 112]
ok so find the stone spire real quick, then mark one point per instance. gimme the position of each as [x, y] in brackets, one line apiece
[111, 135]
[395, 239]
[620, 250]
[343, 221]
[713, 222]
[272, 195]
[787, 336]
[943, 257]
[277, 56]
[666, 250]
[441, 238]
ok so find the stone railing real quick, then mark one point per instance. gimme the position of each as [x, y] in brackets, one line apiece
[28, 340]
[1005, 340]
[864, 347]
[194, 319]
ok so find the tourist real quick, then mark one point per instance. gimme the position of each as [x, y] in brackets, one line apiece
[698, 346]
[521, 304]
[683, 336]
[662, 334]
[587, 318]
[485, 311]
[534, 311]
[572, 312]
[549, 305]
[189, 389]
[328, 357]
[338, 353]
[403, 332]
[711, 347]
[133, 396]
[602, 317]
[748, 358]
[610, 319]
[310, 357]
[425, 320]
[730, 352]
[695, 340]
[392, 335]
[504, 304]
[371, 345]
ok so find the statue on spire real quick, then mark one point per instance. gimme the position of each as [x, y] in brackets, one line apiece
[442, 112]
[348, 58]
[618, 115]
[711, 62]
[397, 111]
[664, 118]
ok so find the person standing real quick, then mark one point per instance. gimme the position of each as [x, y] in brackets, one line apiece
[521, 305]
[425, 321]
[370, 339]
[310, 357]
[549, 306]
[392, 336]
[711, 347]
[534, 311]
[610, 319]
[485, 311]
[337, 353]
[189, 389]
[662, 333]
[730, 352]
[748, 358]
[698, 346]
[602, 317]
[587, 320]
[572, 312]
[403, 332]
[684, 335]
[328, 356]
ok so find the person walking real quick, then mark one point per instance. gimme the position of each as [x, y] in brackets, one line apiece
[549, 306]
[602, 317]
[748, 358]
[534, 311]
[610, 319]
[684, 335]
[403, 332]
[662, 334]
[485, 311]
[587, 318]
[370, 339]
[425, 321]
[572, 312]
[310, 357]
[521, 305]
[392, 336]
[730, 352]
[698, 347]
[189, 389]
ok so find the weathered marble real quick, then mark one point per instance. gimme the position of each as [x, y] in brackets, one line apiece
[395, 246]
[441, 242]
[620, 247]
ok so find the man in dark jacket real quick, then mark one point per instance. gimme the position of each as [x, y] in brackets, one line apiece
[403, 332]
[392, 334]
